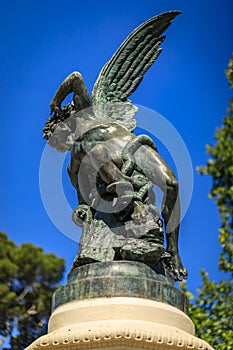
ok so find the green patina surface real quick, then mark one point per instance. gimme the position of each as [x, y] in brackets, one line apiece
[112, 169]
[120, 279]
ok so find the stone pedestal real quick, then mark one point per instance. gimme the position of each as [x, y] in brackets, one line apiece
[119, 305]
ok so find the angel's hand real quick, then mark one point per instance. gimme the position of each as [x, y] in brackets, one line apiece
[79, 215]
[55, 109]
[139, 213]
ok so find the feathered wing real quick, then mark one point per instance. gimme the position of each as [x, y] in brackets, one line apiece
[121, 76]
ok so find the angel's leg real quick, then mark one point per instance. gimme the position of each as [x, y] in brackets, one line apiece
[157, 171]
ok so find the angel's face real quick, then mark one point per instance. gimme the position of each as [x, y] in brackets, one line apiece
[61, 138]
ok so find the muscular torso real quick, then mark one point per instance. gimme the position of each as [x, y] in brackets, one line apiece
[112, 135]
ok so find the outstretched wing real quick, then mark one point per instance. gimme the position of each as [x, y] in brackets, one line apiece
[121, 76]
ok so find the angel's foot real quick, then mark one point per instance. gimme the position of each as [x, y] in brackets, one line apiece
[180, 273]
[174, 264]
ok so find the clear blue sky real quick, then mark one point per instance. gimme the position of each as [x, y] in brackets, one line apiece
[43, 41]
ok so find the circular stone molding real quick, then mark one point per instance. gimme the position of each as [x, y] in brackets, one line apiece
[119, 324]
[115, 336]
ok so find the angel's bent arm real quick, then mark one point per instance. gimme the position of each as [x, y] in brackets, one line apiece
[73, 83]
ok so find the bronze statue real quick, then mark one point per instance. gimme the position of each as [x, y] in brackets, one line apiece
[112, 169]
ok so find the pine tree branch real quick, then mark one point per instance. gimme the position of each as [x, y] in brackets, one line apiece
[7, 334]
[26, 291]
[31, 311]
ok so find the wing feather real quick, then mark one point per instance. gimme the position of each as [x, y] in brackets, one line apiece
[122, 74]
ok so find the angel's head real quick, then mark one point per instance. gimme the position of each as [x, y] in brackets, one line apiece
[59, 130]
[62, 138]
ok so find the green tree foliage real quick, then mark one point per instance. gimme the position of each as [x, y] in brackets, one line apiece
[220, 167]
[28, 278]
[211, 309]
